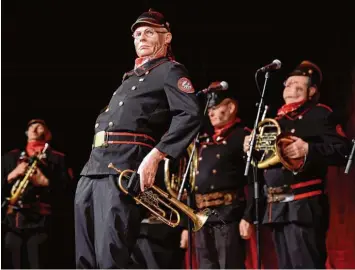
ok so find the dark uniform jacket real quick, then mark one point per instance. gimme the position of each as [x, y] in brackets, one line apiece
[39, 202]
[221, 168]
[327, 146]
[155, 100]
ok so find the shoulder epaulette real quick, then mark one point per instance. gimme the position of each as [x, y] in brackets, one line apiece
[247, 129]
[325, 106]
[14, 151]
[58, 153]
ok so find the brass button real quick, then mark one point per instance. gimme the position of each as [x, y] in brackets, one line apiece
[293, 130]
[218, 156]
[208, 140]
[214, 171]
[120, 103]
[196, 188]
[134, 87]
[96, 125]
[107, 109]
[110, 124]
[300, 117]
[147, 72]
[218, 138]
[212, 187]
[224, 142]
[141, 79]
[114, 93]
[200, 158]
[204, 146]
[197, 172]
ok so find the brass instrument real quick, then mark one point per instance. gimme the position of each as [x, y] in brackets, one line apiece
[159, 203]
[20, 186]
[174, 172]
[271, 142]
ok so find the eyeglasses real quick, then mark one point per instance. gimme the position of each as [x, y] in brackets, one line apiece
[149, 32]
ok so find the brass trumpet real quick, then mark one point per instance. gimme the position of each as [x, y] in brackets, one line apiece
[159, 203]
[20, 186]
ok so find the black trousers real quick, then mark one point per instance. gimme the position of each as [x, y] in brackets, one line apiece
[26, 249]
[220, 247]
[107, 224]
[299, 246]
[158, 247]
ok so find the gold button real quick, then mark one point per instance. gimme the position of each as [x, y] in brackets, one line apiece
[110, 124]
[196, 188]
[300, 117]
[212, 187]
[197, 172]
[147, 72]
[141, 79]
[224, 142]
[214, 171]
[96, 125]
[114, 93]
[218, 156]
[107, 109]
[204, 146]
[120, 103]
[208, 140]
[293, 130]
[134, 87]
[200, 158]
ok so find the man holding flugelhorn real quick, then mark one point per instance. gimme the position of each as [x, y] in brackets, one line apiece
[310, 140]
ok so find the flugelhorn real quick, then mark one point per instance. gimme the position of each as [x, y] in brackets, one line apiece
[271, 142]
[18, 189]
[160, 203]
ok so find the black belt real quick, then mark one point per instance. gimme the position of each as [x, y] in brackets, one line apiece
[103, 139]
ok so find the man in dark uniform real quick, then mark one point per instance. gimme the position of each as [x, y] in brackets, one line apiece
[220, 186]
[297, 208]
[28, 219]
[153, 114]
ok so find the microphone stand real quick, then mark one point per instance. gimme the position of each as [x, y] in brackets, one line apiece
[255, 178]
[189, 190]
[350, 160]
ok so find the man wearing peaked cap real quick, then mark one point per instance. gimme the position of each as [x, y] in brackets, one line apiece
[310, 141]
[220, 183]
[30, 217]
[154, 114]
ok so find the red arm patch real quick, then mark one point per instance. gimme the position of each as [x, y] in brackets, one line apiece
[185, 85]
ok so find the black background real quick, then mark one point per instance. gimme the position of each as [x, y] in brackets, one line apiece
[61, 60]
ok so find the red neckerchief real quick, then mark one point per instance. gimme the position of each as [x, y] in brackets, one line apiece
[287, 108]
[34, 147]
[221, 131]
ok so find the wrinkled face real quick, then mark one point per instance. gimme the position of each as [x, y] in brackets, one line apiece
[36, 132]
[148, 41]
[221, 114]
[297, 89]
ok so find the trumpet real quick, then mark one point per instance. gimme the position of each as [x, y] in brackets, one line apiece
[18, 189]
[159, 203]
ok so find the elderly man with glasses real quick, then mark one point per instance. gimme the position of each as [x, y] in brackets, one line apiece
[153, 115]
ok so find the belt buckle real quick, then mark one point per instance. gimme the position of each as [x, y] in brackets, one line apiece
[99, 139]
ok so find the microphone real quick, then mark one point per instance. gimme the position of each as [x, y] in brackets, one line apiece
[276, 64]
[215, 86]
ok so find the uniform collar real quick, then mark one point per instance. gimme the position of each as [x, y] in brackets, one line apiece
[146, 67]
[294, 110]
[221, 133]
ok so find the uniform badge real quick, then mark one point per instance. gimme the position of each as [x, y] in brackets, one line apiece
[185, 85]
